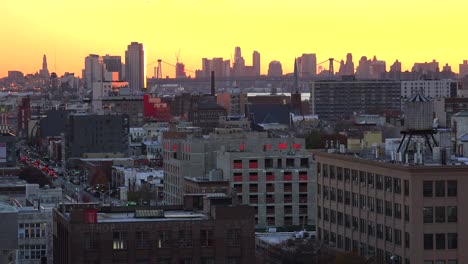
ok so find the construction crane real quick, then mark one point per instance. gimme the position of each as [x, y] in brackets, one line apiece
[159, 69]
[330, 66]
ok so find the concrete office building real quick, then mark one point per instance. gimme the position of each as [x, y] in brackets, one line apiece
[218, 233]
[275, 175]
[307, 65]
[405, 213]
[93, 71]
[135, 67]
[88, 133]
[125, 105]
[337, 100]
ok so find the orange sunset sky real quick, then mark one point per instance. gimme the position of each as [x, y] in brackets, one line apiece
[67, 30]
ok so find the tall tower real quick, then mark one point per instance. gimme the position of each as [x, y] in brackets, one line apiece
[44, 72]
[296, 93]
[256, 62]
[93, 71]
[135, 66]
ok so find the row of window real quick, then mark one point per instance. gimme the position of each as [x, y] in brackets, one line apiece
[440, 188]
[441, 240]
[164, 239]
[441, 214]
[450, 261]
[269, 176]
[31, 251]
[32, 230]
[365, 179]
[363, 202]
[290, 163]
[366, 227]
[363, 249]
[269, 187]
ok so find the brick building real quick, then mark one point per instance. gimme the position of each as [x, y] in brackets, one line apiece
[221, 233]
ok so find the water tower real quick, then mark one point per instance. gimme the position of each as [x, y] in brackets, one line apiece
[418, 122]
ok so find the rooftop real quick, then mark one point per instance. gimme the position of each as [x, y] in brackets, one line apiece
[176, 215]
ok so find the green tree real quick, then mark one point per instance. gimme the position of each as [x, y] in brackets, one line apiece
[313, 140]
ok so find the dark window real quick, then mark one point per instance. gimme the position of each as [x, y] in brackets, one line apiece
[347, 174]
[407, 240]
[452, 240]
[428, 214]
[439, 188]
[164, 239]
[206, 238]
[347, 197]
[332, 194]
[325, 170]
[406, 183]
[440, 241]
[397, 236]
[428, 241]
[333, 216]
[388, 208]
[379, 204]
[185, 238]
[407, 213]
[339, 173]
[397, 210]
[355, 200]
[388, 184]
[388, 234]
[326, 214]
[370, 228]
[362, 225]
[452, 214]
[427, 189]
[355, 223]
[397, 185]
[340, 195]
[141, 239]
[319, 212]
[380, 231]
[370, 180]
[332, 172]
[362, 178]
[340, 218]
[451, 188]
[354, 176]
[379, 181]
[233, 237]
[440, 214]
[370, 203]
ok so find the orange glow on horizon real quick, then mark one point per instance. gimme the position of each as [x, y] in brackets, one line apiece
[67, 31]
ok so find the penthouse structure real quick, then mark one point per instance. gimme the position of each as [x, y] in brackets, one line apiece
[274, 175]
[405, 213]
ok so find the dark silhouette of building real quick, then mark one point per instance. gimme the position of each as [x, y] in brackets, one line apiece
[24, 115]
[205, 112]
[135, 66]
[88, 133]
[207, 230]
[133, 106]
[275, 69]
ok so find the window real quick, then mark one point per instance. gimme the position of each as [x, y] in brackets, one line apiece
[427, 189]
[428, 215]
[452, 261]
[354, 176]
[397, 236]
[380, 231]
[407, 213]
[428, 262]
[452, 188]
[340, 218]
[32, 230]
[440, 241]
[439, 188]
[440, 214]
[397, 185]
[339, 173]
[347, 174]
[379, 182]
[33, 252]
[164, 239]
[370, 180]
[362, 178]
[332, 172]
[233, 237]
[185, 238]
[388, 208]
[233, 260]
[370, 228]
[119, 240]
[388, 234]
[397, 210]
[355, 200]
[355, 223]
[347, 220]
[340, 195]
[406, 186]
[319, 212]
[326, 214]
[332, 216]
[141, 239]
[206, 237]
[388, 184]
[347, 197]
[407, 240]
[332, 194]
[91, 240]
[370, 203]
[362, 201]
[452, 240]
[428, 241]
[379, 203]
[452, 216]
[362, 226]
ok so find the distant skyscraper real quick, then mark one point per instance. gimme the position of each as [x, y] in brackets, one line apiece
[395, 71]
[135, 66]
[307, 65]
[238, 67]
[93, 71]
[237, 54]
[371, 69]
[113, 64]
[256, 62]
[463, 69]
[44, 72]
[426, 67]
[349, 65]
[296, 93]
[275, 69]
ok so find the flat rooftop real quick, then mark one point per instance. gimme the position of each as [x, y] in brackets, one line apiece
[176, 215]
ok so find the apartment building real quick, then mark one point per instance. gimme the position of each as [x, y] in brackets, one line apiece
[398, 213]
[274, 175]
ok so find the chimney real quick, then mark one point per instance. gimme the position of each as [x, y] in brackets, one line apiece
[213, 91]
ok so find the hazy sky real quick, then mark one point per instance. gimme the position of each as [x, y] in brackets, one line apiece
[68, 30]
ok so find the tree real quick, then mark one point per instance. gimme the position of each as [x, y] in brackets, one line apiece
[313, 140]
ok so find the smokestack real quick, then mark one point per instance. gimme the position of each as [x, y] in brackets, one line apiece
[213, 91]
